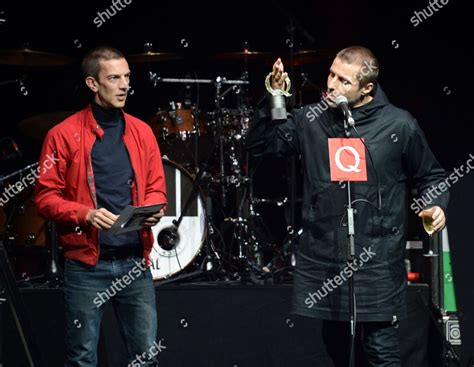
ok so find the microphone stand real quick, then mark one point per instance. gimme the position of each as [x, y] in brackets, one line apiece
[350, 259]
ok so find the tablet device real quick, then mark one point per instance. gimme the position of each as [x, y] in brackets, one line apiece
[132, 217]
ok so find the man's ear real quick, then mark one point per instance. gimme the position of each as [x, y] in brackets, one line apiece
[92, 84]
[368, 89]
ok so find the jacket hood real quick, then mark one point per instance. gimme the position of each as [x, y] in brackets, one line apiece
[379, 101]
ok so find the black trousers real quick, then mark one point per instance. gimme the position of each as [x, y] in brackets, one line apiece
[379, 341]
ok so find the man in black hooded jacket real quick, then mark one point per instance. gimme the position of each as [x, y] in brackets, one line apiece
[397, 153]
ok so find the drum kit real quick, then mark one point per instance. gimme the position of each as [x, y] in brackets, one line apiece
[208, 177]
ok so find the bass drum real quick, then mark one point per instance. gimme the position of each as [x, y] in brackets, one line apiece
[170, 257]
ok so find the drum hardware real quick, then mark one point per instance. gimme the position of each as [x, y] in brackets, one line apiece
[51, 276]
[181, 135]
[172, 232]
[53, 272]
[219, 82]
[276, 202]
[16, 173]
[30, 238]
[222, 137]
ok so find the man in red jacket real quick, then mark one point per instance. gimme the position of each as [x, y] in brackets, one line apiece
[106, 159]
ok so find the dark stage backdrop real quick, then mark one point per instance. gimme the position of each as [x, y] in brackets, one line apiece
[425, 68]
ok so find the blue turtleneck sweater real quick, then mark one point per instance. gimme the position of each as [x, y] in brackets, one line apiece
[113, 172]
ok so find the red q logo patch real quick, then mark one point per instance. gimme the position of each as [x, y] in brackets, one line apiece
[347, 159]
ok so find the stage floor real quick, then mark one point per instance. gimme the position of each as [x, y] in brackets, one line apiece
[211, 325]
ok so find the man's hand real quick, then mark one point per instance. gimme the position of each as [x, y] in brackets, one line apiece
[439, 218]
[101, 218]
[278, 75]
[154, 219]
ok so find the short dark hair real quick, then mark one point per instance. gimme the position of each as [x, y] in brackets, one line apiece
[90, 64]
[362, 56]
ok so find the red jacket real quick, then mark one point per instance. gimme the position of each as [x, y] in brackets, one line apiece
[65, 190]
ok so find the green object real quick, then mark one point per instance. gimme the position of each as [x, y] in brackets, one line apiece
[448, 279]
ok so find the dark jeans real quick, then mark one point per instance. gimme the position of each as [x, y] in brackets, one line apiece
[380, 342]
[129, 288]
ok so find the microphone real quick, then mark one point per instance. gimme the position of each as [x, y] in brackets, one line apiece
[343, 104]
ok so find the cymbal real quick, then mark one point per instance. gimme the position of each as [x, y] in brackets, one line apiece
[244, 55]
[27, 57]
[151, 56]
[36, 127]
[306, 57]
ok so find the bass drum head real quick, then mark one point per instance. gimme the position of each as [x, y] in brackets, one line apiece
[168, 260]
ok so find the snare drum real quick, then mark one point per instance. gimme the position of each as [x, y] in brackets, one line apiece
[167, 258]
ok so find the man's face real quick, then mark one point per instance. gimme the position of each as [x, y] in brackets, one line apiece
[112, 87]
[343, 81]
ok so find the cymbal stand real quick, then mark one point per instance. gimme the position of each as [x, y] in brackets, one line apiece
[249, 257]
[220, 129]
